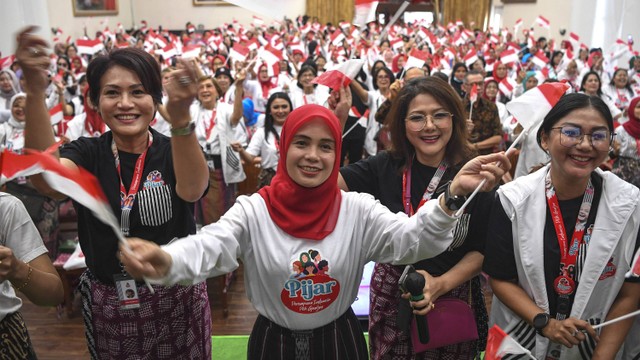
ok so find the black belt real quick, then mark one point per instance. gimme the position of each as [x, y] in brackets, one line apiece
[217, 160]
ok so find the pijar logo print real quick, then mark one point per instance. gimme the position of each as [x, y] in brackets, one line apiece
[310, 288]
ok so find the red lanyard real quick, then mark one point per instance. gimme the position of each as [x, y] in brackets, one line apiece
[565, 283]
[212, 123]
[431, 188]
[127, 198]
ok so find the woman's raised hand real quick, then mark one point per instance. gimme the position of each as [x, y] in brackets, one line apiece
[181, 86]
[489, 168]
[32, 55]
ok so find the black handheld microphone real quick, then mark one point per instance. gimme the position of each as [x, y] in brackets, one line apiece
[414, 283]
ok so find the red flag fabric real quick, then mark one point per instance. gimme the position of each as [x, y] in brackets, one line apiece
[542, 21]
[78, 184]
[89, 47]
[473, 95]
[239, 52]
[500, 343]
[509, 56]
[6, 62]
[471, 57]
[340, 75]
[56, 114]
[507, 85]
[416, 58]
[532, 106]
[540, 59]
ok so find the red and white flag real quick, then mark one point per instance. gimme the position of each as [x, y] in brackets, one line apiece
[191, 51]
[169, 51]
[500, 344]
[542, 21]
[509, 56]
[56, 114]
[416, 58]
[253, 44]
[257, 21]
[574, 38]
[517, 24]
[337, 37]
[340, 75]
[270, 55]
[89, 47]
[78, 184]
[540, 59]
[473, 94]
[365, 12]
[532, 106]
[397, 44]
[239, 52]
[471, 57]
[507, 85]
[6, 62]
[635, 266]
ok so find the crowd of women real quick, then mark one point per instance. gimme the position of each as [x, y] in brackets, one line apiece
[168, 139]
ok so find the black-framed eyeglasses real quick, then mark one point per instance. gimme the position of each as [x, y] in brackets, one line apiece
[571, 136]
[417, 122]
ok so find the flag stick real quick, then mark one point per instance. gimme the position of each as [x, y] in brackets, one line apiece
[612, 321]
[348, 131]
[473, 194]
[392, 21]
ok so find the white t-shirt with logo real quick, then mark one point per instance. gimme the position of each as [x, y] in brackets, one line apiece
[366, 231]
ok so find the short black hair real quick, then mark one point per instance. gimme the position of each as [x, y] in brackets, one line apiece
[136, 60]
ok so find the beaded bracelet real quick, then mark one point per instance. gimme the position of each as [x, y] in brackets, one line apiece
[28, 279]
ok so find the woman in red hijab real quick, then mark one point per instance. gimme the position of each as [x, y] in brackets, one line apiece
[303, 208]
[627, 164]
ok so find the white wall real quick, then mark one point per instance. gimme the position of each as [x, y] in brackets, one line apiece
[556, 11]
[15, 15]
[598, 22]
[171, 14]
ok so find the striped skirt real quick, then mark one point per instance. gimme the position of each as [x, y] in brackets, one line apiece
[173, 323]
[341, 339]
[15, 343]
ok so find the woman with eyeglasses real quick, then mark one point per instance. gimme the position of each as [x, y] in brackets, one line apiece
[557, 272]
[429, 146]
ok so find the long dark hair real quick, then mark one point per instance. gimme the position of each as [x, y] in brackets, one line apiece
[268, 118]
[458, 148]
[586, 77]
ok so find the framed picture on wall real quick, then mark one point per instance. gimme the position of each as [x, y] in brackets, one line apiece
[209, 2]
[94, 7]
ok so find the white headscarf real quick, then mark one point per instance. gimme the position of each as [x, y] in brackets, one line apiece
[15, 87]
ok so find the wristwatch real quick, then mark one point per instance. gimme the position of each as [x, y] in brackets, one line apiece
[453, 202]
[183, 131]
[540, 321]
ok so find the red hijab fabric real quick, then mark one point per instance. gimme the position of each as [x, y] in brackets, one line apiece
[93, 123]
[632, 126]
[308, 213]
[265, 85]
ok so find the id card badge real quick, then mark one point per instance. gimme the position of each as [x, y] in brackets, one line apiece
[127, 291]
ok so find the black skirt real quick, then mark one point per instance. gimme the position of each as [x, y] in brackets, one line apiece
[343, 338]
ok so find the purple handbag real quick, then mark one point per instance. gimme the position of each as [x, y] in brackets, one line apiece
[451, 321]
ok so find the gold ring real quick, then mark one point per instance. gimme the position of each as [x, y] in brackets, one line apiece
[575, 332]
[34, 51]
[433, 306]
